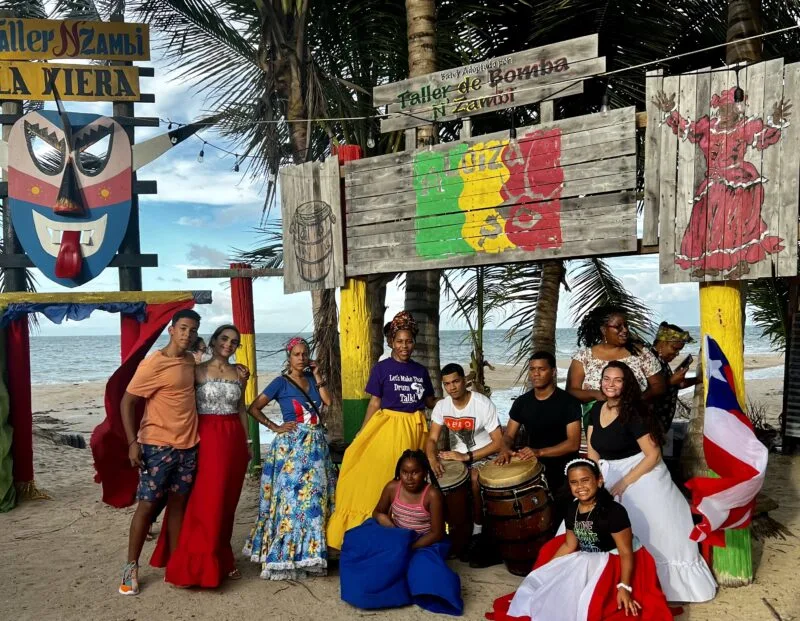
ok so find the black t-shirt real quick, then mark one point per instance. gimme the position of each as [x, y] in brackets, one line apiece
[617, 441]
[546, 425]
[593, 529]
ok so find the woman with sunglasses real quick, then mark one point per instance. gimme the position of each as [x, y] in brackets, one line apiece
[298, 478]
[204, 556]
[603, 336]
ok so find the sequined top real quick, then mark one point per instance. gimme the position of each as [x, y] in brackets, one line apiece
[218, 396]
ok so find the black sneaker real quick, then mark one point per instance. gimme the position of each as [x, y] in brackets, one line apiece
[483, 553]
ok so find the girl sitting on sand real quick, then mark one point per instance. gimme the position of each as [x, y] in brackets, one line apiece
[596, 571]
[397, 557]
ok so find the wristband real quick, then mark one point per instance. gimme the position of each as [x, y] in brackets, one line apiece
[622, 585]
[469, 457]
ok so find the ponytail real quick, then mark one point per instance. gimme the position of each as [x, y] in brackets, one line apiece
[422, 459]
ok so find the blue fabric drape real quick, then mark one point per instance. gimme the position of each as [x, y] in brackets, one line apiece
[75, 312]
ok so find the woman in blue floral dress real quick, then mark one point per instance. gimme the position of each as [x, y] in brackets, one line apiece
[298, 478]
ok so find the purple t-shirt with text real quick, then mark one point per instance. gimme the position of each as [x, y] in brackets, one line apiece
[402, 386]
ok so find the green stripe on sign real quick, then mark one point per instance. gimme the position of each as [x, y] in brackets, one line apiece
[438, 186]
[353, 412]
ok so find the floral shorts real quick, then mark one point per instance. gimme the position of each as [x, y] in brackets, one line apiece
[165, 469]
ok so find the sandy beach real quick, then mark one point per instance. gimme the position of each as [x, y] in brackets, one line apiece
[61, 558]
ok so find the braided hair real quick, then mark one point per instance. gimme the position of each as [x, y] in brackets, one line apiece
[422, 459]
[590, 329]
[632, 405]
[603, 498]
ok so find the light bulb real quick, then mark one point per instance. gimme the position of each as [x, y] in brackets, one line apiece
[200, 156]
[371, 142]
[236, 165]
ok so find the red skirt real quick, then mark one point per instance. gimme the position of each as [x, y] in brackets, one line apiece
[204, 556]
[602, 603]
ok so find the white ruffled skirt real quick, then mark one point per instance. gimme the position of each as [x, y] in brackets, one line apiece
[662, 520]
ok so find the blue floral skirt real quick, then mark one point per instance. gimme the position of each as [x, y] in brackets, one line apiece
[297, 491]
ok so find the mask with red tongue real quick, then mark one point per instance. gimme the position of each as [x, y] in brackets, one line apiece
[70, 258]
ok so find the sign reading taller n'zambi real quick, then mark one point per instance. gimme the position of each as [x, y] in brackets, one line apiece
[46, 39]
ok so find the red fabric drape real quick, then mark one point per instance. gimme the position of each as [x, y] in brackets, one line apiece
[18, 361]
[242, 301]
[109, 444]
[129, 331]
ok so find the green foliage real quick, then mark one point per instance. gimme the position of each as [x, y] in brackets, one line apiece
[768, 303]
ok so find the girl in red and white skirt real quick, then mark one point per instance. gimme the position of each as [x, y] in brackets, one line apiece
[597, 571]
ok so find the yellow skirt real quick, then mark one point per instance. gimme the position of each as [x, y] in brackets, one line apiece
[369, 464]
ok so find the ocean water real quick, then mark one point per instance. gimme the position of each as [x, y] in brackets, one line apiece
[78, 359]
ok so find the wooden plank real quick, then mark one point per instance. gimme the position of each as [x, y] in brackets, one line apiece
[571, 125]
[466, 129]
[408, 209]
[400, 119]
[573, 50]
[98, 297]
[19, 261]
[261, 272]
[667, 188]
[140, 186]
[581, 170]
[312, 233]
[574, 210]
[685, 180]
[771, 169]
[654, 83]
[790, 188]
[612, 142]
[703, 99]
[624, 243]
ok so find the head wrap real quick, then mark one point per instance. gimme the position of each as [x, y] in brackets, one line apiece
[669, 332]
[403, 321]
[294, 342]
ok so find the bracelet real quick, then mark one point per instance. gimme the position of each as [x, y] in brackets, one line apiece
[322, 384]
[622, 585]
[131, 443]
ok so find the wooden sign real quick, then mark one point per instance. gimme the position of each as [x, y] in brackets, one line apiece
[559, 190]
[47, 39]
[312, 232]
[721, 176]
[526, 77]
[36, 81]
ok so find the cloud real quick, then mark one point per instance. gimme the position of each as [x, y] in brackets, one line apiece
[192, 222]
[206, 255]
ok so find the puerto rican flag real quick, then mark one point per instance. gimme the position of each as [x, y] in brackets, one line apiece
[732, 451]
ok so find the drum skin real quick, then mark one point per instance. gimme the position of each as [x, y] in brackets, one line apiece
[518, 512]
[457, 504]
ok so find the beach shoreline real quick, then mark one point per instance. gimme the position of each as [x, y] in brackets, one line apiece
[63, 556]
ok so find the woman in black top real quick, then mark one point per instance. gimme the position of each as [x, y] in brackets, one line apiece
[625, 438]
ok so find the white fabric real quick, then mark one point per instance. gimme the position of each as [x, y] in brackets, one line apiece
[560, 590]
[661, 520]
[469, 427]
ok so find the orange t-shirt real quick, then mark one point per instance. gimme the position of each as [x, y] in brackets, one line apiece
[170, 412]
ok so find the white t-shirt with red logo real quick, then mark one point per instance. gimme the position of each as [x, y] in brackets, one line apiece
[469, 427]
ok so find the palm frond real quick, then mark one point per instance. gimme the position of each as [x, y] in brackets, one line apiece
[592, 284]
[33, 9]
[767, 305]
[269, 250]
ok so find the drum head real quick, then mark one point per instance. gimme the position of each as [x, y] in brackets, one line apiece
[492, 476]
[455, 473]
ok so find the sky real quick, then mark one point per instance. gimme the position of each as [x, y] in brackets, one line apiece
[205, 212]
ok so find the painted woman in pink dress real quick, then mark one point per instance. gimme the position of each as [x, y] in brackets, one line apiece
[726, 231]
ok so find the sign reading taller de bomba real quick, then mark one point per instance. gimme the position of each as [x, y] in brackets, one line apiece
[46, 39]
[526, 77]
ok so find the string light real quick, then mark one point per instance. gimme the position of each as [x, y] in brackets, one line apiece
[371, 142]
[738, 95]
[236, 164]
[202, 153]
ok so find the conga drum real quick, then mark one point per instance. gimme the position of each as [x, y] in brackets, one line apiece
[455, 486]
[518, 511]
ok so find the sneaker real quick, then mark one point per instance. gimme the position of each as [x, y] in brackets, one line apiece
[130, 579]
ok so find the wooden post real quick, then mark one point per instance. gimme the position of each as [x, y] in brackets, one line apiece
[243, 318]
[354, 334]
[722, 311]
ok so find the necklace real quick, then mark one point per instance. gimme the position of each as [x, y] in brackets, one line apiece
[578, 508]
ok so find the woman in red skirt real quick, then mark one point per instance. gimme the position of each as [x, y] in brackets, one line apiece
[204, 556]
[596, 572]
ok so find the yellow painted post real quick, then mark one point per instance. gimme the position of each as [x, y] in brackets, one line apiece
[721, 318]
[354, 341]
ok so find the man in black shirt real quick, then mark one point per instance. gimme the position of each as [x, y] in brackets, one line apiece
[552, 420]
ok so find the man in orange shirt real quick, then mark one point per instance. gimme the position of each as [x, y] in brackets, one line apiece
[164, 446]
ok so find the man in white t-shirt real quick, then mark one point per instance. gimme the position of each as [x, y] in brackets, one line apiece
[475, 435]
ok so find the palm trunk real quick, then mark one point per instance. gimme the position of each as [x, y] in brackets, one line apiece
[422, 288]
[543, 337]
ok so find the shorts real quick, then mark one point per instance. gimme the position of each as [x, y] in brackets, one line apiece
[165, 469]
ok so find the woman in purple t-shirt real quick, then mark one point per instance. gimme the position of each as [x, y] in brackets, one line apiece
[400, 389]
